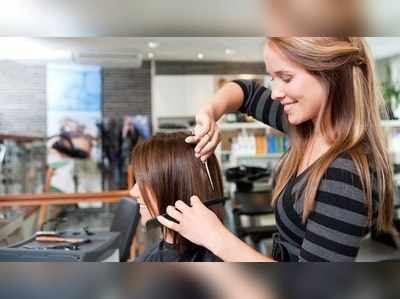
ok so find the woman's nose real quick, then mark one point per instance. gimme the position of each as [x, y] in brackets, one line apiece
[277, 93]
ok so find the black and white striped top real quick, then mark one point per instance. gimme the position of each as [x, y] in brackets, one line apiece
[334, 230]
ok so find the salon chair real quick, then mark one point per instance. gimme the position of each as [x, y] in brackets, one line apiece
[125, 222]
[253, 205]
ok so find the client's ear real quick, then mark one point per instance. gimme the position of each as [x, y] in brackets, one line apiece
[153, 200]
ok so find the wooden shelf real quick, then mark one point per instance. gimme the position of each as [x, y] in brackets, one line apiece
[60, 199]
[21, 138]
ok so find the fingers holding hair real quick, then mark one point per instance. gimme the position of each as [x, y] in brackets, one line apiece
[168, 223]
[174, 213]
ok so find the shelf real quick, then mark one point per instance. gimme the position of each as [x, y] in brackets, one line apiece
[259, 125]
[391, 123]
[259, 156]
[168, 131]
[240, 126]
[60, 199]
[21, 138]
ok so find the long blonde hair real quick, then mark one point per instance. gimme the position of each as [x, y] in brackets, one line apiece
[352, 112]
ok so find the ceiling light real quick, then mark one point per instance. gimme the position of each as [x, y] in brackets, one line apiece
[153, 45]
[229, 52]
[151, 55]
[200, 56]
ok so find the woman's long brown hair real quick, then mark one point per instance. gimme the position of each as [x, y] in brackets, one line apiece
[351, 120]
[166, 166]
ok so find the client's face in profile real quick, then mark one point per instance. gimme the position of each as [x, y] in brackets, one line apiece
[144, 209]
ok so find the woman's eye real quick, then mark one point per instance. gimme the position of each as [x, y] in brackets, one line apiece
[286, 79]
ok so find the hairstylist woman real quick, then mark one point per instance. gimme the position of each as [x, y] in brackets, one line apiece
[335, 182]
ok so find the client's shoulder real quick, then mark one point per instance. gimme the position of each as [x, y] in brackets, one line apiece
[165, 252]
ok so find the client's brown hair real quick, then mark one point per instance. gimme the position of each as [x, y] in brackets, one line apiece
[166, 166]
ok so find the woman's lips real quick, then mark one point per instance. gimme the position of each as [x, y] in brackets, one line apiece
[288, 107]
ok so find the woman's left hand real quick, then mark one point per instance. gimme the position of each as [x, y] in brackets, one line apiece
[206, 134]
[197, 223]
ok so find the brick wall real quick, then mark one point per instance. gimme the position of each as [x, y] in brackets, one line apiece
[22, 99]
[127, 91]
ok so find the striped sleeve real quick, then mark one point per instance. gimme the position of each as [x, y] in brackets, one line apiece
[336, 227]
[259, 104]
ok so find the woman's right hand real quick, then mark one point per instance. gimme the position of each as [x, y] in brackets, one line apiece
[196, 223]
[201, 226]
[206, 134]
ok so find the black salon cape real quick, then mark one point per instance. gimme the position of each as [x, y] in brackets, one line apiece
[165, 252]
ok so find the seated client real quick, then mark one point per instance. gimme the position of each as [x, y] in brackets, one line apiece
[166, 170]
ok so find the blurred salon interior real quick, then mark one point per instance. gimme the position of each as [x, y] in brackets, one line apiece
[77, 102]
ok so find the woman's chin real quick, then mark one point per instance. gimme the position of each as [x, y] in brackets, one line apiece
[293, 120]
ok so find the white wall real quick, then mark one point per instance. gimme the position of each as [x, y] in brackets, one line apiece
[181, 95]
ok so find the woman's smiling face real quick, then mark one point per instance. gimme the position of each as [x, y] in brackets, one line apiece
[302, 94]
